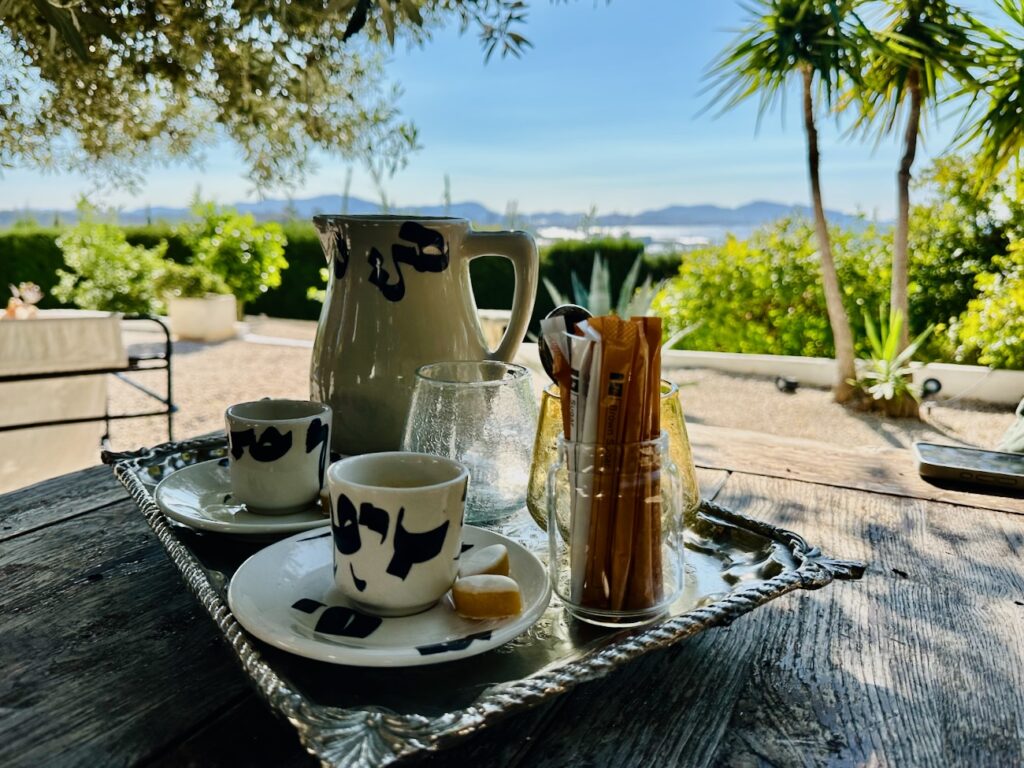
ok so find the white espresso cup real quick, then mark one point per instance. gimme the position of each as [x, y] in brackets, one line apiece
[396, 520]
[278, 452]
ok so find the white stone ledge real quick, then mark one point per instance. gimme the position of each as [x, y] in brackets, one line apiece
[974, 382]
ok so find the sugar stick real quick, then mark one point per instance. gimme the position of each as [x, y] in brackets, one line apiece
[553, 329]
[581, 353]
[653, 329]
[630, 492]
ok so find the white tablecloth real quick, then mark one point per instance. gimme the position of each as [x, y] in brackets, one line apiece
[54, 341]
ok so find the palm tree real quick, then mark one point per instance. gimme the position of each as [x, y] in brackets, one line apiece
[919, 42]
[805, 40]
[999, 90]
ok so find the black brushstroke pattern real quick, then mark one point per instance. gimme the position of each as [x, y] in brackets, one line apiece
[270, 446]
[360, 583]
[379, 276]
[319, 433]
[223, 462]
[429, 241]
[347, 622]
[346, 529]
[412, 548]
[429, 253]
[318, 536]
[374, 518]
[453, 645]
[307, 605]
[238, 440]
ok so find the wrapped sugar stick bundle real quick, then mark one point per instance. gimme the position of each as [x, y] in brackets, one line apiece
[609, 375]
[618, 342]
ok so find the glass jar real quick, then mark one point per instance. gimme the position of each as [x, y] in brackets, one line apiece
[615, 530]
[549, 431]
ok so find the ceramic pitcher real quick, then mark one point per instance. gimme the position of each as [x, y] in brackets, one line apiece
[398, 297]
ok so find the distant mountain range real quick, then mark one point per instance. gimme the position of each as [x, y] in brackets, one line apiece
[745, 216]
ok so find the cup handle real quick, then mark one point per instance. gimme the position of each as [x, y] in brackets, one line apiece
[519, 248]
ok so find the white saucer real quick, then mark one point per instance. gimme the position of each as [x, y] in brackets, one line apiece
[285, 596]
[199, 496]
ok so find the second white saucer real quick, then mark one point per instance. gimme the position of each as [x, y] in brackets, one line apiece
[199, 496]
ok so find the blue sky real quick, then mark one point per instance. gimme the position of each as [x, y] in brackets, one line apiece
[604, 110]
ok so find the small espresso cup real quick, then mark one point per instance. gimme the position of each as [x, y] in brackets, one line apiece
[278, 452]
[396, 520]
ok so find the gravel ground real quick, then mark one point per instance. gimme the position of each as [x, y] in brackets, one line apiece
[753, 403]
[209, 377]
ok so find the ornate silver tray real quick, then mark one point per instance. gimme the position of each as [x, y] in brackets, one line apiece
[373, 717]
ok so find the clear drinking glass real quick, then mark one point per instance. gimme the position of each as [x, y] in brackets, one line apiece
[549, 431]
[482, 414]
[615, 530]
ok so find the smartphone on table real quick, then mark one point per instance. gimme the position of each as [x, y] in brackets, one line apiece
[976, 466]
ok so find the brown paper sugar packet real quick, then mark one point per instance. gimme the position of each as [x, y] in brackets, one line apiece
[654, 330]
[630, 489]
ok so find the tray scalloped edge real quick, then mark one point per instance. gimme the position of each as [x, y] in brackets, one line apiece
[371, 737]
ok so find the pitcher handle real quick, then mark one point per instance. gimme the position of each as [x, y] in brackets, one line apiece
[519, 248]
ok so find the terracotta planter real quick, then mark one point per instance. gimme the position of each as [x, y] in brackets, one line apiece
[210, 318]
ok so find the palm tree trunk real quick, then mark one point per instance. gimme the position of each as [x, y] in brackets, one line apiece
[898, 295]
[1019, 180]
[842, 390]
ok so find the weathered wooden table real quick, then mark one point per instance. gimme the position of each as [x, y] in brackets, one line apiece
[108, 660]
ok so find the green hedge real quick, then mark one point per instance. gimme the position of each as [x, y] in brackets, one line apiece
[763, 295]
[150, 237]
[305, 259]
[32, 255]
[493, 278]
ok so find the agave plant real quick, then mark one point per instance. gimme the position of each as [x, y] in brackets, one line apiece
[632, 301]
[598, 297]
[887, 374]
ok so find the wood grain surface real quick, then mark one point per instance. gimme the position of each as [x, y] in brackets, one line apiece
[47, 502]
[108, 659]
[890, 470]
[918, 664]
